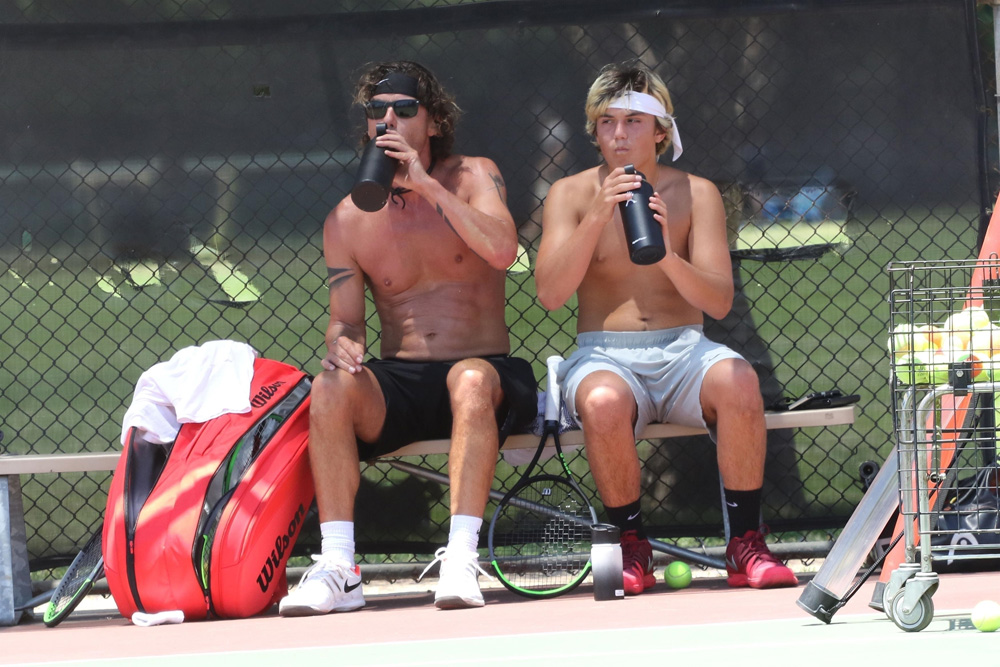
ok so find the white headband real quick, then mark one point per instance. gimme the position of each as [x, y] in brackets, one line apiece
[645, 103]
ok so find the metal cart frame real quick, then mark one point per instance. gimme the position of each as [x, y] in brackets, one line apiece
[943, 384]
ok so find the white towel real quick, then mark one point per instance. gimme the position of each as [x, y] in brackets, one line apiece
[198, 383]
[159, 618]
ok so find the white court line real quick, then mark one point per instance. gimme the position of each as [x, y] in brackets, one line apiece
[861, 640]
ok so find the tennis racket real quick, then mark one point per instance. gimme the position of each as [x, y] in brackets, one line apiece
[86, 568]
[540, 534]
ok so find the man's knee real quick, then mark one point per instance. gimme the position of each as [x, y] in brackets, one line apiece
[340, 392]
[747, 385]
[330, 384]
[732, 384]
[605, 402]
[474, 384]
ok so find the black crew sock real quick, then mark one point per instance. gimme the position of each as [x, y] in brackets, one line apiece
[743, 510]
[627, 517]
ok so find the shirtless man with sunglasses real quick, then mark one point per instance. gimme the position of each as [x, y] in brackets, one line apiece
[434, 259]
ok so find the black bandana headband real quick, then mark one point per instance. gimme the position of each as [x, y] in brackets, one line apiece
[398, 83]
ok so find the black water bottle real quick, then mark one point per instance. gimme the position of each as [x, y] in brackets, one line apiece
[606, 561]
[371, 189]
[642, 232]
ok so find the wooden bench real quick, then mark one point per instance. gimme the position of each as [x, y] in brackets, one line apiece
[15, 584]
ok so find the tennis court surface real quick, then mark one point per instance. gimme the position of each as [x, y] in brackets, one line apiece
[707, 622]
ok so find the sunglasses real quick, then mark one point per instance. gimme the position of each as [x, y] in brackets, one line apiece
[403, 108]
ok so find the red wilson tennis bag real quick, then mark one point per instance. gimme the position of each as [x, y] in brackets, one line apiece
[206, 524]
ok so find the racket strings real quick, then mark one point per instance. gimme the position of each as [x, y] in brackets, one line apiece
[542, 537]
[84, 569]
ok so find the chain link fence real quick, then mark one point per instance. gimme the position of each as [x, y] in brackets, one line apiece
[166, 168]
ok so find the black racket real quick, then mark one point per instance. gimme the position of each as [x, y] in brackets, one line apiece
[540, 535]
[86, 568]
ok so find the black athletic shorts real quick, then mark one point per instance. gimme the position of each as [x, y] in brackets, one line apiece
[418, 406]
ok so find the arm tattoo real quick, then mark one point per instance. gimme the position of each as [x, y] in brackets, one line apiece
[440, 212]
[338, 276]
[500, 186]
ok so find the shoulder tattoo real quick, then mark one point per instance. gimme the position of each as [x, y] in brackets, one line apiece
[500, 186]
[338, 276]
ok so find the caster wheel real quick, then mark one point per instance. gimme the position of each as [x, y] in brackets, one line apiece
[887, 604]
[918, 618]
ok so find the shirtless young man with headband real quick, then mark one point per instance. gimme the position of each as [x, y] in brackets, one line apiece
[642, 356]
[435, 260]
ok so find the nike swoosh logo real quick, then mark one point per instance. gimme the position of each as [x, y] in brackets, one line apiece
[634, 515]
[731, 563]
[729, 504]
[350, 587]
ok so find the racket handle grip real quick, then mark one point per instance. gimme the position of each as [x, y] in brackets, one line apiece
[553, 398]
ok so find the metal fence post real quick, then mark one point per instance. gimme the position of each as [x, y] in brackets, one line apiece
[15, 582]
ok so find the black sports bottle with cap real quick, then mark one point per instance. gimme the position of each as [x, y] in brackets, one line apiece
[371, 189]
[606, 560]
[642, 232]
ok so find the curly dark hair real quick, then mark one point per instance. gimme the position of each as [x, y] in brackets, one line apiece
[439, 103]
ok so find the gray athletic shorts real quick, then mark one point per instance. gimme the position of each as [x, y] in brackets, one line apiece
[664, 369]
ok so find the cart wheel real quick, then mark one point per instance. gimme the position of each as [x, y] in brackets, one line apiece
[918, 618]
[887, 604]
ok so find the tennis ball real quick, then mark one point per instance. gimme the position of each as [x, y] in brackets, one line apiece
[908, 339]
[937, 368]
[912, 369]
[968, 320]
[951, 346]
[901, 339]
[991, 367]
[986, 616]
[677, 575]
[959, 326]
[985, 342]
[935, 336]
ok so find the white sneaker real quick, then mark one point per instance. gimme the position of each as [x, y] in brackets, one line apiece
[326, 586]
[458, 580]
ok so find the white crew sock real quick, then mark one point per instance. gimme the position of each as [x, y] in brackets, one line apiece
[464, 533]
[338, 540]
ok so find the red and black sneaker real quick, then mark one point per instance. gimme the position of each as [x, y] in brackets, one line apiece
[750, 563]
[637, 561]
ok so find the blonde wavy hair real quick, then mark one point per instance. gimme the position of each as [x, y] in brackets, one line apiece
[619, 78]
